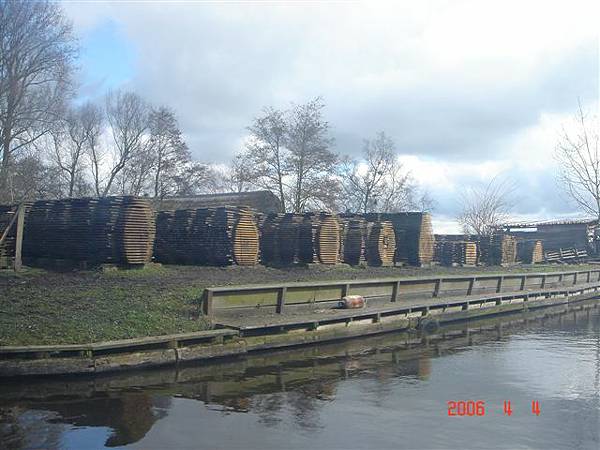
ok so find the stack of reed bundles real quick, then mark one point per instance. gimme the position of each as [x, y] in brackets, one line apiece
[7, 248]
[116, 230]
[530, 251]
[207, 236]
[353, 239]
[319, 239]
[381, 244]
[414, 233]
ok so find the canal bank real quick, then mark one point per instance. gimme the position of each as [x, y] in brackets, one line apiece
[247, 319]
[304, 397]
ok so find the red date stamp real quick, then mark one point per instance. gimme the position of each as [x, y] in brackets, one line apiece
[466, 408]
[472, 408]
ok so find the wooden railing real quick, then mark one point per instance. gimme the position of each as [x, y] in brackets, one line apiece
[18, 220]
[278, 298]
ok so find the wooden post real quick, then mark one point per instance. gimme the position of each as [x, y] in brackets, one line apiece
[574, 278]
[207, 304]
[345, 289]
[499, 286]
[395, 291]
[589, 276]
[19, 241]
[523, 282]
[281, 299]
[543, 281]
[438, 285]
[471, 284]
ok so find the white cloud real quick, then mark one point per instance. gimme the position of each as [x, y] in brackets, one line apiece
[467, 89]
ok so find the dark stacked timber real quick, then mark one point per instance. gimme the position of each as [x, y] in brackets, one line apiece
[530, 251]
[414, 233]
[288, 238]
[207, 236]
[319, 239]
[381, 244]
[7, 248]
[117, 230]
[353, 240]
[457, 252]
[566, 255]
[498, 249]
[269, 237]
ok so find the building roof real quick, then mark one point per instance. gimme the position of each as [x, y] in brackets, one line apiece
[581, 221]
[262, 201]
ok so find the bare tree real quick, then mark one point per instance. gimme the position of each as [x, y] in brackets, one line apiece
[37, 51]
[69, 143]
[128, 117]
[485, 207]
[266, 154]
[169, 149]
[237, 177]
[92, 121]
[579, 162]
[311, 162]
[378, 182]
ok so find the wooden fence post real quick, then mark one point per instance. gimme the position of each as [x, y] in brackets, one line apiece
[19, 241]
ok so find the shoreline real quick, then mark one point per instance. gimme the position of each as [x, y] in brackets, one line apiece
[175, 349]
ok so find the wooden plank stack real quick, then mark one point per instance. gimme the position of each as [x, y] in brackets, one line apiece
[414, 233]
[451, 253]
[530, 251]
[353, 239]
[381, 244]
[319, 239]
[498, 249]
[288, 238]
[207, 236]
[117, 230]
[269, 238]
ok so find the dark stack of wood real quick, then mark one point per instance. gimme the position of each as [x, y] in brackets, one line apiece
[414, 233]
[165, 240]
[7, 248]
[117, 230]
[498, 249]
[208, 236]
[269, 238]
[288, 235]
[530, 251]
[319, 239]
[462, 253]
[354, 240]
[381, 244]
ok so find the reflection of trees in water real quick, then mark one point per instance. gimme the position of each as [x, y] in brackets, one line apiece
[129, 415]
[21, 428]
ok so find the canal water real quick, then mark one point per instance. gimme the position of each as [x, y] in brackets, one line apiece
[391, 391]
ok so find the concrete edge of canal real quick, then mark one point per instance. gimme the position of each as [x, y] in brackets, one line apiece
[428, 314]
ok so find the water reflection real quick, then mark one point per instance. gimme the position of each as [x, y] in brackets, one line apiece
[298, 389]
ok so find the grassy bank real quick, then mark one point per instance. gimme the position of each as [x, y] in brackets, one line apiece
[44, 307]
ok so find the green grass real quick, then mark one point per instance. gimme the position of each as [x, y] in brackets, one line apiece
[42, 307]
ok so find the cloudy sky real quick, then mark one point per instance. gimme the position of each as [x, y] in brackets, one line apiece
[467, 89]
